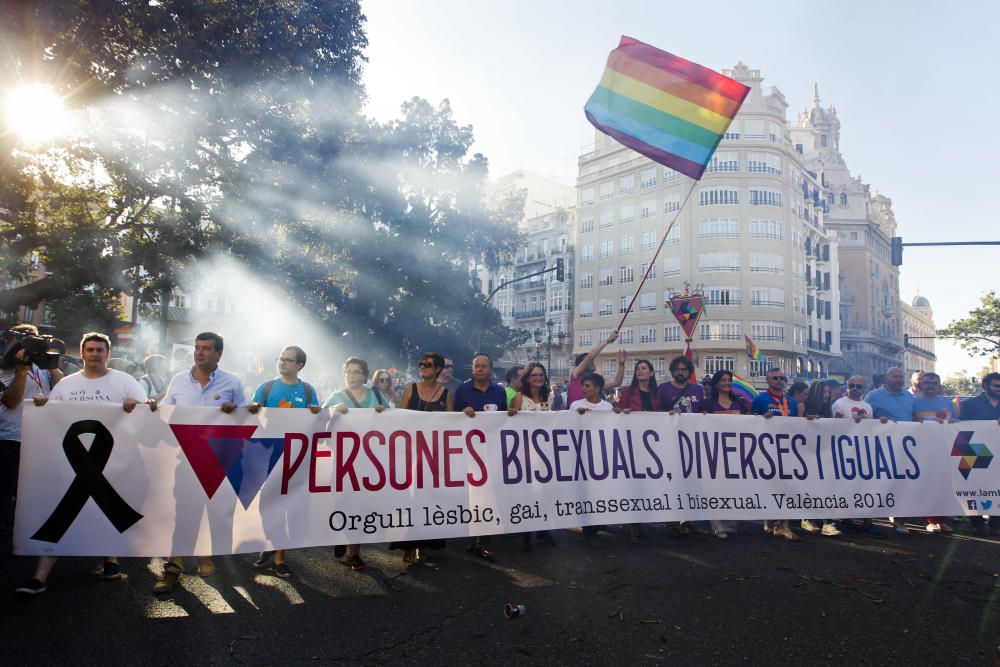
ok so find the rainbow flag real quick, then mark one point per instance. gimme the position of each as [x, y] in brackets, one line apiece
[753, 352]
[671, 110]
[744, 389]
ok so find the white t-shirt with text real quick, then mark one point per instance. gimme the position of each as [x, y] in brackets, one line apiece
[848, 407]
[112, 387]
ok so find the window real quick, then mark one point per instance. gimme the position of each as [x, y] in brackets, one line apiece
[626, 213]
[610, 366]
[753, 129]
[766, 229]
[647, 334]
[723, 161]
[732, 132]
[716, 196]
[622, 304]
[765, 198]
[627, 338]
[645, 267]
[587, 225]
[626, 184]
[607, 218]
[586, 308]
[602, 334]
[672, 333]
[671, 266]
[647, 301]
[586, 338]
[605, 191]
[555, 301]
[27, 315]
[763, 163]
[604, 306]
[773, 297]
[843, 199]
[757, 368]
[719, 228]
[587, 197]
[607, 277]
[719, 362]
[607, 247]
[669, 175]
[671, 204]
[626, 274]
[775, 132]
[674, 236]
[761, 262]
[586, 280]
[721, 330]
[586, 252]
[647, 239]
[767, 331]
[723, 296]
[627, 243]
[647, 178]
[177, 300]
[648, 208]
[718, 261]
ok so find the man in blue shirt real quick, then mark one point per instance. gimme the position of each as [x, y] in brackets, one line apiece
[204, 384]
[775, 402]
[480, 394]
[889, 400]
[284, 391]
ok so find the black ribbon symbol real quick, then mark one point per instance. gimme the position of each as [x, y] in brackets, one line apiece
[88, 483]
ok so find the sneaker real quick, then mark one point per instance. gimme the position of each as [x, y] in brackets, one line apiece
[808, 526]
[262, 560]
[206, 568]
[355, 563]
[782, 529]
[768, 528]
[900, 527]
[933, 528]
[111, 571]
[830, 530]
[282, 570]
[871, 530]
[480, 551]
[33, 587]
[167, 581]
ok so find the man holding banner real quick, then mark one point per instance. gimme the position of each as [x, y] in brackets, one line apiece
[98, 384]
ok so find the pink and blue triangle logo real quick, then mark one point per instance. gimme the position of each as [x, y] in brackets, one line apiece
[229, 452]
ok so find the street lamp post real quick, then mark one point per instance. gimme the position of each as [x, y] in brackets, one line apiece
[549, 336]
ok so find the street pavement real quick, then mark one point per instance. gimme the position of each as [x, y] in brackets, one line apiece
[697, 600]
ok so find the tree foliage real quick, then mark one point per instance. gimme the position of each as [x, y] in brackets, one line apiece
[236, 128]
[979, 333]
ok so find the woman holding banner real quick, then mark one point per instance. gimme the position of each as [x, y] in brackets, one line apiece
[641, 395]
[722, 400]
[533, 397]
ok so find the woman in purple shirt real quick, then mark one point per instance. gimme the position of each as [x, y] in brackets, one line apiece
[722, 401]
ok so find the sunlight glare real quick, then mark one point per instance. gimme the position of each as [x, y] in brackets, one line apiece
[35, 113]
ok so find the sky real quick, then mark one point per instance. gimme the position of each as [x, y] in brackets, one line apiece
[910, 82]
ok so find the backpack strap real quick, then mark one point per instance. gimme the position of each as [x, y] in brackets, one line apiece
[310, 394]
[266, 392]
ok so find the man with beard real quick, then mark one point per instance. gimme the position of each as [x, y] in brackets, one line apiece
[890, 401]
[680, 394]
[775, 402]
[986, 406]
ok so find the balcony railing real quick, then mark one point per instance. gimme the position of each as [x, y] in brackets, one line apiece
[529, 313]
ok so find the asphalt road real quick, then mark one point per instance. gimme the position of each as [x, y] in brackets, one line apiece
[917, 599]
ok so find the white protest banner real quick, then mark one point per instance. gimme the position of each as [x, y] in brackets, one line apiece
[193, 480]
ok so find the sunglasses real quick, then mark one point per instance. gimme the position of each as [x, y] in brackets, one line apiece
[851, 385]
[287, 360]
[782, 378]
[449, 365]
[428, 364]
[383, 380]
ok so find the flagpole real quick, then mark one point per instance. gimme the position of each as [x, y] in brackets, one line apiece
[652, 262]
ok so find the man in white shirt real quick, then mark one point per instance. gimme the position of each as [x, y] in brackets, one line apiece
[96, 383]
[203, 384]
[593, 384]
[852, 405]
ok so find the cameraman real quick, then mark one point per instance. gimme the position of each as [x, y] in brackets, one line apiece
[20, 381]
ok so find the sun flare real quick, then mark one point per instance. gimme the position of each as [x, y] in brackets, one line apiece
[35, 113]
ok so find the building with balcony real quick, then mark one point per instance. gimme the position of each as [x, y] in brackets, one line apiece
[918, 335]
[750, 235]
[862, 224]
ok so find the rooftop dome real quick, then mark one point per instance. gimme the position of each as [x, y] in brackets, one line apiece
[921, 302]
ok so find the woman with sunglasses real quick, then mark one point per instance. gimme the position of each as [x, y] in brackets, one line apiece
[723, 401]
[382, 381]
[425, 395]
[533, 396]
[355, 395]
[641, 395]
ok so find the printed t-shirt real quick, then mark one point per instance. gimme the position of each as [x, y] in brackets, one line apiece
[283, 395]
[688, 399]
[112, 387]
[768, 403]
[931, 409]
[848, 407]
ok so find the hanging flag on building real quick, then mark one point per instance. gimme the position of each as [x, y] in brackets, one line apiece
[669, 109]
[753, 352]
[687, 309]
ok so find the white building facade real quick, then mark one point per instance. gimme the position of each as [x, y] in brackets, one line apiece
[918, 335]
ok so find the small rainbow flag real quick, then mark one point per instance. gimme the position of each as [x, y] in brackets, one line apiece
[753, 352]
[671, 110]
[744, 389]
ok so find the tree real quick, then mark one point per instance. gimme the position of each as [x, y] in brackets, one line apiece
[979, 333]
[963, 384]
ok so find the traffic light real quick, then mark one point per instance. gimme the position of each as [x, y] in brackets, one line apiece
[560, 269]
[897, 251]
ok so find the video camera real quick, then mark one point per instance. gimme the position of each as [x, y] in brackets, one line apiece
[37, 348]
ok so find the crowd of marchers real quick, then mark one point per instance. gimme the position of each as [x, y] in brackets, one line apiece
[436, 389]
